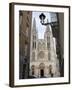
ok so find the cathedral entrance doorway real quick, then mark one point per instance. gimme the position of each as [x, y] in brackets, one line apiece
[41, 73]
[41, 67]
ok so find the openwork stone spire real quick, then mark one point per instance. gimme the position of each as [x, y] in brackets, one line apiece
[48, 26]
[34, 24]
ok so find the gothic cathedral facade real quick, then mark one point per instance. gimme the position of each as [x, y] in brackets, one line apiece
[43, 57]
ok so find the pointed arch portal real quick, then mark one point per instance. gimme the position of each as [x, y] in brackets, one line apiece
[41, 67]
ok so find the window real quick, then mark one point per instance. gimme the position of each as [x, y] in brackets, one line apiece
[34, 37]
[34, 45]
[49, 56]
[48, 42]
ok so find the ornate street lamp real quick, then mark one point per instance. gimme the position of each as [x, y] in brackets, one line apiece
[42, 18]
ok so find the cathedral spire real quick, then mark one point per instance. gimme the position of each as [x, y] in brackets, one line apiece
[34, 24]
[48, 31]
[48, 26]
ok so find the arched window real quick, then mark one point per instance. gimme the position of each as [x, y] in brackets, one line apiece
[34, 45]
[49, 56]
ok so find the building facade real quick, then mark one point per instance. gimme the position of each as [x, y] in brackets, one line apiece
[43, 57]
[58, 33]
[25, 18]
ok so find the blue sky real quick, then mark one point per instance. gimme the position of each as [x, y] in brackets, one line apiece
[40, 28]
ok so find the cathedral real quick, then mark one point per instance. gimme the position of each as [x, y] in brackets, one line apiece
[43, 58]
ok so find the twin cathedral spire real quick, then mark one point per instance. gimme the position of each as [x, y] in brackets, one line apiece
[47, 32]
[47, 35]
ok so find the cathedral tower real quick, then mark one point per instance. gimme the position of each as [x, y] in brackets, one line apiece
[43, 58]
[33, 46]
